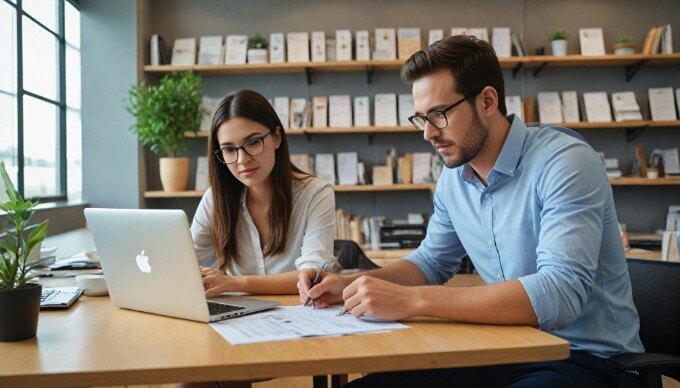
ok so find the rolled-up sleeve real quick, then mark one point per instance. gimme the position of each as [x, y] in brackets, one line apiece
[572, 188]
[201, 231]
[317, 243]
[439, 255]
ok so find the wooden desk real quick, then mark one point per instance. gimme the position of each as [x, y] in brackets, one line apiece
[95, 343]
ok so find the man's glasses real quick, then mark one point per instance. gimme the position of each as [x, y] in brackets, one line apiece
[438, 117]
[252, 147]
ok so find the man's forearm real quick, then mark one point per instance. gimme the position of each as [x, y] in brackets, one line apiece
[500, 303]
[401, 272]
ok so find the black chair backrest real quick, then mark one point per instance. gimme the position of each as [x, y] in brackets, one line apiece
[351, 256]
[656, 293]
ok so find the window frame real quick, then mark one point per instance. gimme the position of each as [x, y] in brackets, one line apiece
[60, 103]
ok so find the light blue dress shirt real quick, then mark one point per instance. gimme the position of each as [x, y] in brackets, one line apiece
[547, 218]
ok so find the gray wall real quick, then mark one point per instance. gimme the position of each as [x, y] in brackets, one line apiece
[109, 67]
[642, 208]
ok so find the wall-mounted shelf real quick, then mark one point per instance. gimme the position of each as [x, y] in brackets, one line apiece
[627, 181]
[632, 63]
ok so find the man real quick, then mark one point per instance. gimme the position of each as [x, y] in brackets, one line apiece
[533, 209]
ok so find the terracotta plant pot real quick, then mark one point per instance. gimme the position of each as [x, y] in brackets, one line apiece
[19, 311]
[174, 173]
[624, 48]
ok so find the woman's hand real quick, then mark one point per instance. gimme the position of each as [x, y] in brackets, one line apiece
[215, 282]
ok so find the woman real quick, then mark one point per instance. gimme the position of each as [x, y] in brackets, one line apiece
[262, 219]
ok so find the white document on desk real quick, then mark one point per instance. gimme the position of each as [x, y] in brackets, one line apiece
[284, 323]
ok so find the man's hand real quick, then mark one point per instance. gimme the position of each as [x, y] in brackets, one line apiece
[327, 291]
[380, 299]
[215, 282]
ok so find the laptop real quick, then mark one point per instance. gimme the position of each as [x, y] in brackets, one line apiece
[149, 263]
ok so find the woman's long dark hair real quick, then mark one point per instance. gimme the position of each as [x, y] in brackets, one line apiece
[227, 190]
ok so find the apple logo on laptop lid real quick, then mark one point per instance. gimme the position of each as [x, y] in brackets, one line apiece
[143, 262]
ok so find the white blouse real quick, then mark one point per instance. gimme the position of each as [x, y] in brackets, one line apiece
[309, 242]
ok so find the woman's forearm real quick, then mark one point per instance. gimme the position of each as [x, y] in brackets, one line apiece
[283, 283]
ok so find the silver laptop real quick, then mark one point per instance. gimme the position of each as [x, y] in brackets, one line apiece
[150, 265]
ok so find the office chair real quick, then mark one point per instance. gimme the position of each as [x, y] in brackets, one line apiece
[656, 296]
[351, 256]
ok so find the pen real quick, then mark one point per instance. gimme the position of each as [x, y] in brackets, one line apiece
[316, 278]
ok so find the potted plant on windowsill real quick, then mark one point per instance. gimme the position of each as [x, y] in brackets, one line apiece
[257, 49]
[624, 46]
[558, 42]
[19, 298]
[165, 113]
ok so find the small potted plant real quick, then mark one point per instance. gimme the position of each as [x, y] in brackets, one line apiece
[165, 113]
[624, 46]
[257, 49]
[558, 42]
[19, 298]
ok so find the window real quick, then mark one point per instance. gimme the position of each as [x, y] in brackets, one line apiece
[40, 119]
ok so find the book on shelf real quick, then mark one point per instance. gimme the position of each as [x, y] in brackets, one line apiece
[320, 109]
[343, 45]
[297, 112]
[662, 104]
[361, 173]
[518, 45]
[330, 50]
[549, 108]
[277, 48]
[385, 110]
[237, 49]
[673, 218]
[625, 107]
[659, 40]
[318, 46]
[184, 52]
[385, 44]
[340, 111]
[324, 165]
[500, 38]
[391, 159]
[347, 168]
[666, 45]
[297, 44]
[383, 175]
[459, 31]
[157, 51]
[670, 248]
[570, 112]
[406, 108]
[202, 180]
[434, 35]
[640, 163]
[669, 160]
[597, 107]
[211, 50]
[209, 106]
[350, 227]
[611, 165]
[408, 42]
[362, 111]
[479, 33]
[421, 167]
[513, 105]
[436, 167]
[405, 169]
[303, 162]
[363, 46]
[281, 107]
[677, 98]
[591, 41]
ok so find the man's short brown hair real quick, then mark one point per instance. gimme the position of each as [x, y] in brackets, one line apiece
[473, 64]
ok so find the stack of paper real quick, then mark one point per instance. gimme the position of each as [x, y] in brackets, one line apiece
[625, 107]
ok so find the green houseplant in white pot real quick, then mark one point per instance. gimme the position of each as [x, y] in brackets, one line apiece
[624, 46]
[558, 42]
[257, 49]
[165, 113]
[19, 298]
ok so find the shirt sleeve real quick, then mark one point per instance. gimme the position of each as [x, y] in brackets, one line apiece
[439, 255]
[317, 243]
[201, 232]
[572, 188]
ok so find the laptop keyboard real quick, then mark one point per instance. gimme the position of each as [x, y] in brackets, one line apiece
[215, 308]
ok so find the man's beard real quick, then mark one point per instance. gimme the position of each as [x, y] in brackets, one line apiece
[471, 145]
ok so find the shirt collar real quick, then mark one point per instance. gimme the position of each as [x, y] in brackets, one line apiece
[508, 159]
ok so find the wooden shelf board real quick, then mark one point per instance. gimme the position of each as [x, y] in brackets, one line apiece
[663, 124]
[638, 181]
[623, 124]
[664, 59]
[583, 61]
